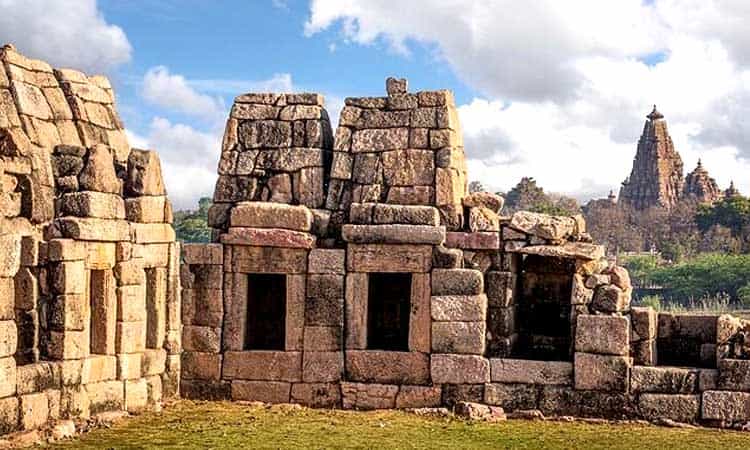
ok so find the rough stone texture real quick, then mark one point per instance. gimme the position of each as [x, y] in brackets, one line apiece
[271, 215]
[664, 380]
[601, 373]
[680, 408]
[368, 396]
[458, 337]
[726, 405]
[604, 335]
[512, 397]
[459, 369]
[461, 308]
[531, 372]
[386, 367]
[456, 282]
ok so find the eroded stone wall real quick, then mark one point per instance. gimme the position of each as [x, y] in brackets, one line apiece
[89, 266]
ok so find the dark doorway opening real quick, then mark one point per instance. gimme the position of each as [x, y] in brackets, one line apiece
[265, 328]
[544, 313]
[388, 307]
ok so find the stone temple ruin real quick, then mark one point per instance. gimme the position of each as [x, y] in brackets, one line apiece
[347, 270]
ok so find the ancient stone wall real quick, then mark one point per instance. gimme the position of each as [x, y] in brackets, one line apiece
[89, 281]
[417, 294]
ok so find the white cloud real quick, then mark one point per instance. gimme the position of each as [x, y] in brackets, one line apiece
[189, 159]
[173, 92]
[279, 82]
[66, 34]
[564, 86]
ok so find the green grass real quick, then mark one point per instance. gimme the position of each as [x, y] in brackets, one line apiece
[226, 425]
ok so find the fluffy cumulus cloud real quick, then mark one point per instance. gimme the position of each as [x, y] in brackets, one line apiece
[563, 87]
[171, 91]
[67, 34]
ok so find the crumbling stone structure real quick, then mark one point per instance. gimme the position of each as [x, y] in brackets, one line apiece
[380, 282]
[89, 266]
[352, 272]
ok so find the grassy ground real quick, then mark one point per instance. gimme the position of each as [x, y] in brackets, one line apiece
[225, 425]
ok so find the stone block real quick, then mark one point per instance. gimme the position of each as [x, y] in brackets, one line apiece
[201, 366]
[37, 377]
[387, 367]
[98, 172]
[263, 366]
[9, 374]
[384, 214]
[261, 391]
[664, 380]
[136, 395]
[201, 339]
[7, 298]
[130, 337]
[461, 308]
[727, 406]
[34, 411]
[9, 414]
[643, 323]
[459, 369]
[69, 277]
[356, 311]
[205, 390]
[74, 402]
[154, 361]
[65, 250]
[387, 258]
[610, 299]
[326, 261]
[105, 396]
[483, 220]
[93, 229]
[268, 260]
[454, 393]
[419, 396]
[271, 215]
[155, 389]
[458, 337]
[8, 338]
[601, 373]
[456, 282]
[68, 344]
[708, 379]
[147, 209]
[378, 140]
[144, 174]
[643, 352]
[531, 372]
[560, 400]
[92, 204]
[393, 234]
[96, 368]
[734, 374]
[512, 397]
[152, 233]
[604, 335]
[325, 300]
[128, 366]
[317, 395]
[322, 367]
[500, 288]
[131, 303]
[680, 408]
[368, 396]
[202, 253]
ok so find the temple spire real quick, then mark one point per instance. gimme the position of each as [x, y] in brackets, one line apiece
[655, 114]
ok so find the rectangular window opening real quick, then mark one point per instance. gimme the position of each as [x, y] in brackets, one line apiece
[97, 292]
[388, 310]
[265, 328]
[543, 320]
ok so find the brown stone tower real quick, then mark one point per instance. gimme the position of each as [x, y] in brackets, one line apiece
[701, 186]
[656, 178]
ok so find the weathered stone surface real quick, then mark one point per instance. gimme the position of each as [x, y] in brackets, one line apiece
[8, 338]
[610, 299]
[726, 405]
[500, 287]
[512, 397]
[325, 300]
[271, 215]
[34, 411]
[478, 411]
[201, 366]
[554, 228]
[385, 258]
[664, 380]
[472, 241]
[408, 167]
[146, 209]
[643, 323]
[328, 261]
[9, 415]
[105, 396]
[268, 260]
[201, 339]
[383, 213]
[263, 365]
[98, 173]
[136, 395]
[92, 204]
[458, 337]
[418, 396]
[37, 377]
[459, 369]
[680, 408]
[7, 373]
[387, 367]
[261, 391]
[487, 200]
[378, 140]
[601, 373]
[531, 372]
[368, 396]
[604, 335]
[317, 395]
[734, 374]
[575, 250]
[92, 229]
[322, 367]
[463, 308]
[456, 282]
[482, 219]
[268, 237]
[393, 234]
[144, 173]
[10, 254]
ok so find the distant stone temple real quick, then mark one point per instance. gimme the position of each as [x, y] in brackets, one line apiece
[350, 270]
[656, 179]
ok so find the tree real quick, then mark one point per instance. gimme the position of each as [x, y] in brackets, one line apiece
[527, 196]
[476, 186]
[192, 225]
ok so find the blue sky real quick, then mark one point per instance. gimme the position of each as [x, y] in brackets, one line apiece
[549, 89]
